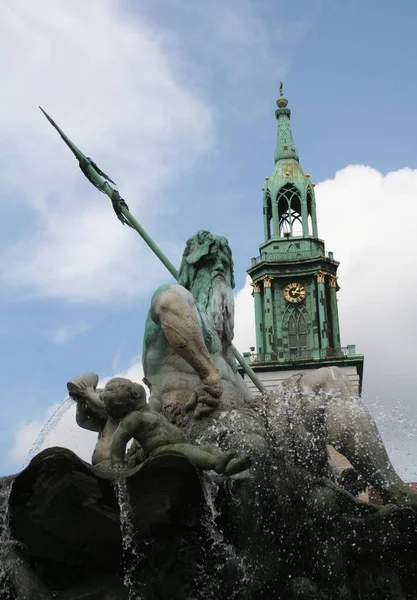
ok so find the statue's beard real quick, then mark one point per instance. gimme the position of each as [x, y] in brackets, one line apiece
[215, 304]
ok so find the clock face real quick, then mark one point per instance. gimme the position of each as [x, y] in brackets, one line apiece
[294, 292]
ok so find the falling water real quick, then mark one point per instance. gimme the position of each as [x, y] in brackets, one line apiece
[51, 423]
[131, 557]
[225, 556]
[6, 542]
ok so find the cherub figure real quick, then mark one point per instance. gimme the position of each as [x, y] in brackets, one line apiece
[125, 403]
[92, 415]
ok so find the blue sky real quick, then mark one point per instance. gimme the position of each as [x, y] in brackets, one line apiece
[175, 100]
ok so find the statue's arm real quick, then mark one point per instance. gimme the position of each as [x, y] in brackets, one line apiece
[91, 414]
[173, 307]
[121, 437]
[85, 420]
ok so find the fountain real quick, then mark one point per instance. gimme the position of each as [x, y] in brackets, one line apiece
[221, 495]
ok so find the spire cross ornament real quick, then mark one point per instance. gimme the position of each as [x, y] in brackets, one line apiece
[101, 181]
[281, 88]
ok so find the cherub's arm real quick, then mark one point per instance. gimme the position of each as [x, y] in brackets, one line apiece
[94, 401]
[91, 414]
[121, 437]
[84, 418]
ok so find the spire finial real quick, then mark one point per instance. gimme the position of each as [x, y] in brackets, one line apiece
[282, 101]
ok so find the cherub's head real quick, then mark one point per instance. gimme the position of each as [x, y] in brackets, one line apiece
[122, 396]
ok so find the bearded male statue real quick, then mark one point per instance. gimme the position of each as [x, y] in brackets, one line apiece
[188, 355]
[191, 371]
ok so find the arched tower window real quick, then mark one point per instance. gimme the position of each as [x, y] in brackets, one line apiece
[268, 216]
[311, 212]
[297, 331]
[297, 327]
[310, 225]
[289, 211]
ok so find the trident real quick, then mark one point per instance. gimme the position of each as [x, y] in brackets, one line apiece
[101, 181]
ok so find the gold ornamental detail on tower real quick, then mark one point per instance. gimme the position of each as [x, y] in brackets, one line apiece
[288, 170]
[267, 281]
[321, 276]
[256, 287]
[332, 280]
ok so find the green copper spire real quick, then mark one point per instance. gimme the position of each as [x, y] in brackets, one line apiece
[285, 143]
[289, 202]
[294, 279]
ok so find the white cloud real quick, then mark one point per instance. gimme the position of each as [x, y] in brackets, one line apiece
[66, 333]
[244, 318]
[367, 219]
[107, 79]
[57, 426]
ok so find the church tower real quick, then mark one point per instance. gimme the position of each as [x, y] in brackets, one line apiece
[294, 278]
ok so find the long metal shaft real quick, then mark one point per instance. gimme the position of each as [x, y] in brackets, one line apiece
[101, 181]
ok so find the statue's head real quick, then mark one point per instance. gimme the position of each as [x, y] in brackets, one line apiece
[205, 250]
[207, 272]
[122, 396]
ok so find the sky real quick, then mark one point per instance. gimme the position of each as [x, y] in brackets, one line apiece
[175, 100]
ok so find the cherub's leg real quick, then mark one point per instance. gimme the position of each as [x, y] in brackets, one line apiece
[223, 460]
[198, 456]
[226, 462]
[212, 450]
[208, 459]
[229, 465]
[237, 465]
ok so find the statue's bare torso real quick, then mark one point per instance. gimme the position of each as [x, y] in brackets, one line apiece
[101, 454]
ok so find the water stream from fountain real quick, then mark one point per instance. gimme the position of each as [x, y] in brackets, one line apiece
[6, 542]
[49, 426]
[131, 556]
[226, 558]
